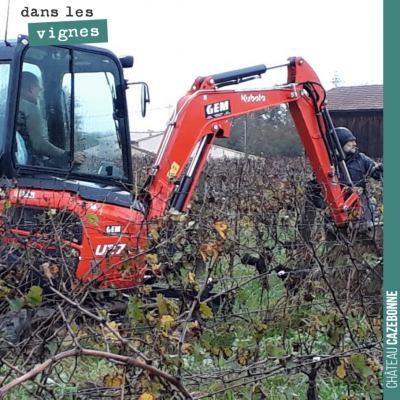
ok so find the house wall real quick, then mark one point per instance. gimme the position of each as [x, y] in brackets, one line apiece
[151, 144]
[367, 127]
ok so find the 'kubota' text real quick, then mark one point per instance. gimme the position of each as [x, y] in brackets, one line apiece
[248, 98]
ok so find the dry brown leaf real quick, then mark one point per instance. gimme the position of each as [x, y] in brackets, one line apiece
[186, 348]
[152, 259]
[222, 229]
[109, 333]
[192, 278]
[146, 396]
[341, 371]
[113, 380]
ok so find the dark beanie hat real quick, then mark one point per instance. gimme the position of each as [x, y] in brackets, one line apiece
[344, 135]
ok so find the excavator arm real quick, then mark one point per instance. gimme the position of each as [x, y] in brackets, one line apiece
[204, 114]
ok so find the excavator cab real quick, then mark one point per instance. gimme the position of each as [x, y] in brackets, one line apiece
[65, 162]
[59, 102]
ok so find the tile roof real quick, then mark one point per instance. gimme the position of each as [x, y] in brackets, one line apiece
[351, 98]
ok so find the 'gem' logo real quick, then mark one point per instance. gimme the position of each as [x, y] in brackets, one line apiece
[113, 229]
[217, 109]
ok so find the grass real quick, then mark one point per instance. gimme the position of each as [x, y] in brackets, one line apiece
[283, 331]
[69, 376]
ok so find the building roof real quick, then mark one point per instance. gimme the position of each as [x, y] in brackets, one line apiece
[138, 150]
[351, 98]
[140, 136]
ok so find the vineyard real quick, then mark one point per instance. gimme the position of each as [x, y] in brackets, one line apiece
[269, 301]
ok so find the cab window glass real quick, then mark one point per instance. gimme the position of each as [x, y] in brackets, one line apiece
[39, 137]
[96, 130]
[4, 78]
[69, 114]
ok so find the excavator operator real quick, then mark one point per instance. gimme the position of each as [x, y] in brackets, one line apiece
[31, 130]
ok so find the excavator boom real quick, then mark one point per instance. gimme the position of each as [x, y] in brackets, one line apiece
[204, 114]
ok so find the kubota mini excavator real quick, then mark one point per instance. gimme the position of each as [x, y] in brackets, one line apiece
[83, 107]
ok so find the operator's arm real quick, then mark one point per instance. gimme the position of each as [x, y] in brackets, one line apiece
[372, 168]
[36, 134]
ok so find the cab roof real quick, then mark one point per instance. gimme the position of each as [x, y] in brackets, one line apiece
[8, 47]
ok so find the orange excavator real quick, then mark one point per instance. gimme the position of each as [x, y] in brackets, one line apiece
[57, 102]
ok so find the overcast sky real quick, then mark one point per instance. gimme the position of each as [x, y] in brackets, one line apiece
[175, 41]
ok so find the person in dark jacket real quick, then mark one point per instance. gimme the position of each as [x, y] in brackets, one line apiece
[360, 167]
